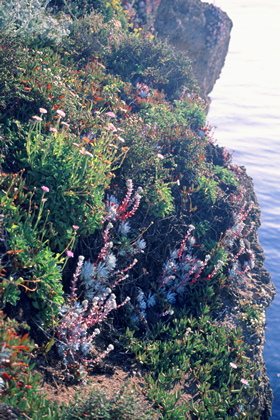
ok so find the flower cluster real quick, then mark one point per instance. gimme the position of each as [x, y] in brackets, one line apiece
[184, 268]
[97, 281]
[234, 236]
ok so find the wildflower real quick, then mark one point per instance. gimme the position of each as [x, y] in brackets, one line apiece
[233, 365]
[44, 200]
[65, 123]
[121, 139]
[111, 261]
[244, 382]
[111, 127]
[110, 347]
[43, 111]
[69, 254]
[37, 118]
[110, 114]
[124, 228]
[140, 245]
[75, 227]
[76, 144]
[83, 151]
[44, 188]
[160, 156]
[53, 129]
[60, 113]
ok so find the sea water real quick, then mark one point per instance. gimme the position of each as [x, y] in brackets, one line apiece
[245, 114]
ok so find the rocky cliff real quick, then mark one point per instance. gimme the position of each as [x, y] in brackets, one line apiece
[201, 30]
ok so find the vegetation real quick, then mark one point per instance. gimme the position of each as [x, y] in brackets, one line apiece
[121, 222]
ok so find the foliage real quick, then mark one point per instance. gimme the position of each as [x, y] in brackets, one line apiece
[81, 8]
[19, 386]
[201, 350]
[75, 172]
[152, 62]
[28, 19]
[124, 405]
[97, 282]
[29, 263]
[81, 119]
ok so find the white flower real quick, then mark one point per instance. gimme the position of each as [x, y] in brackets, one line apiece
[124, 228]
[140, 245]
[111, 261]
[87, 271]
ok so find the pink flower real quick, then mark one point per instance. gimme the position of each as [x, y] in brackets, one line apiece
[160, 156]
[121, 139]
[244, 381]
[111, 127]
[110, 114]
[83, 151]
[44, 200]
[43, 111]
[44, 188]
[37, 118]
[53, 129]
[65, 123]
[60, 113]
[69, 253]
[233, 365]
[75, 227]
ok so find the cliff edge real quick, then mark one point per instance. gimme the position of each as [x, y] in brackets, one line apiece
[202, 31]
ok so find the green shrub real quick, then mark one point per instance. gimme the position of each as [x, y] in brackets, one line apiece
[208, 353]
[29, 18]
[19, 385]
[124, 405]
[153, 62]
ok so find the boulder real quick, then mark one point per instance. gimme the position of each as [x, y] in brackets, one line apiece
[202, 31]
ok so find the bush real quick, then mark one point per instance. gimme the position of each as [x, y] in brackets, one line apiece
[30, 19]
[123, 406]
[19, 386]
[153, 62]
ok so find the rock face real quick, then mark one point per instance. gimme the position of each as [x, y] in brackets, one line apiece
[202, 31]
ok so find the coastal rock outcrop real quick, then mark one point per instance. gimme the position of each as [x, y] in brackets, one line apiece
[202, 31]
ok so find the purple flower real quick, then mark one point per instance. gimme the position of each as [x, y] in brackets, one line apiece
[69, 254]
[46, 189]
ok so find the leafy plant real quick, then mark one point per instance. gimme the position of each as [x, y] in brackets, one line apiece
[153, 62]
[212, 355]
[28, 19]
[124, 405]
[97, 282]
[19, 386]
